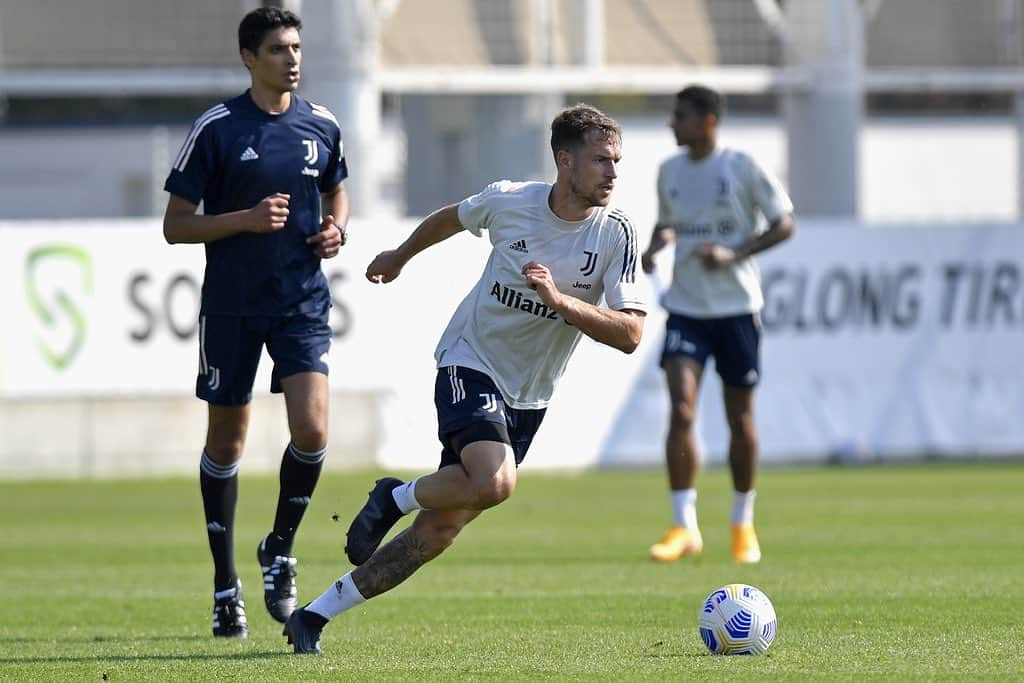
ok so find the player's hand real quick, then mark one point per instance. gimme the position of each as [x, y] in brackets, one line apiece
[715, 256]
[329, 240]
[270, 214]
[538, 278]
[385, 267]
[647, 262]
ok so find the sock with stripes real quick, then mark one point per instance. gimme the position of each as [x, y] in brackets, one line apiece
[219, 486]
[300, 471]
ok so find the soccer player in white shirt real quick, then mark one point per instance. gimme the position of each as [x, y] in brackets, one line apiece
[557, 250]
[709, 201]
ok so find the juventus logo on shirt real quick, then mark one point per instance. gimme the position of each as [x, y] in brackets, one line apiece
[588, 267]
[723, 192]
[312, 152]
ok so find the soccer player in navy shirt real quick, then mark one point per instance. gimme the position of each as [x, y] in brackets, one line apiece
[268, 168]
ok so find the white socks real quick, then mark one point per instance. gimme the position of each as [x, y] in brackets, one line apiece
[743, 507]
[684, 508]
[405, 497]
[340, 597]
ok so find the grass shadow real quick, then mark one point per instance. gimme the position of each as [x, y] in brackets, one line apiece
[101, 639]
[120, 659]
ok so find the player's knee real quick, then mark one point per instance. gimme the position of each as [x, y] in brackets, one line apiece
[741, 426]
[226, 451]
[493, 491]
[682, 415]
[309, 437]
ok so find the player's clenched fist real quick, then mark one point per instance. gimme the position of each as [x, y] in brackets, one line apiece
[385, 267]
[538, 278]
[715, 256]
[330, 239]
[270, 214]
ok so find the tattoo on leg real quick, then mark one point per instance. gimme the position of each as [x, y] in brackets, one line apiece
[392, 564]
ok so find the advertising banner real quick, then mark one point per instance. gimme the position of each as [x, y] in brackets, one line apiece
[896, 341]
[878, 342]
[109, 308]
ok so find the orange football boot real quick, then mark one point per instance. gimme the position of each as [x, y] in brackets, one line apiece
[745, 547]
[677, 542]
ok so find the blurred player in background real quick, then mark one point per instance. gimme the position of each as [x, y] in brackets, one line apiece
[268, 168]
[709, 198]
[557, 249]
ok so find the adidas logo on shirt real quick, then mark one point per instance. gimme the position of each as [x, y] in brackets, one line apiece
[519, 246]
[249, 155]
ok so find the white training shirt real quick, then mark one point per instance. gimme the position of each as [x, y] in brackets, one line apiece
[718, 200]
[502, 327]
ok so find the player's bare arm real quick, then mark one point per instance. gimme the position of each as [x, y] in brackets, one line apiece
[716, 256]
[662, 236]
[618, 329]
[182, 225]
[333, 234]
[435, 228]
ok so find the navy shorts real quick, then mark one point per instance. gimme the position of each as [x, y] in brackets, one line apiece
[230, 349]
[733, 341]
[470, 408]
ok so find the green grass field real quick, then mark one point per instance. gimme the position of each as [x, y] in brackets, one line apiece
[876, 573]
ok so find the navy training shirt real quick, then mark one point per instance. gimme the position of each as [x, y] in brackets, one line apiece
[236, 155]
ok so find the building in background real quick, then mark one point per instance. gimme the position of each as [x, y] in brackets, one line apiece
[96, 95]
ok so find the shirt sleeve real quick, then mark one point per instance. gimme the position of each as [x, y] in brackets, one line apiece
[194, 164]
[337, 167]
[767, 192]
[621, 288]
[477, 211]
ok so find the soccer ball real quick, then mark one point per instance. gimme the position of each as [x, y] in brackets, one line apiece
[737, 620]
